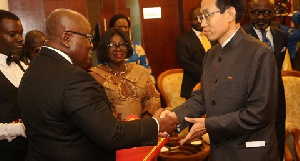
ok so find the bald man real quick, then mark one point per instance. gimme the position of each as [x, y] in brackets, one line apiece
[65, 109]
[33, 41]
[261, 13]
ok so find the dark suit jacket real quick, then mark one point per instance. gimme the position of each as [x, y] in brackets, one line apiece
[280, 43]
[190, 54]
[66, 116]
[238, 95]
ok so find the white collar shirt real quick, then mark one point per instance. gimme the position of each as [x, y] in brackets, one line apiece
[268, 35]
[12, 72]
[60, 53]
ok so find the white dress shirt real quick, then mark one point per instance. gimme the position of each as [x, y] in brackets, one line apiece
[14, 74]
[268, 35]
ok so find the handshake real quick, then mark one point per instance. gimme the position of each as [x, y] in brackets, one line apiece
[168, 121]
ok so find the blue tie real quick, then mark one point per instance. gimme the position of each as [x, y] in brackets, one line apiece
[265, 39]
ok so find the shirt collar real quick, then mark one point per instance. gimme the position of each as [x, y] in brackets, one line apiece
[226, 42]
[3, 59]
[60, 53]
[267, 29]
[197, 32]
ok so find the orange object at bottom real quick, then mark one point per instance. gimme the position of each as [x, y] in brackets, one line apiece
[145, 153]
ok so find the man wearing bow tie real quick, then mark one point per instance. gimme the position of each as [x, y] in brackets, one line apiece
[261, 13]
[13, 144]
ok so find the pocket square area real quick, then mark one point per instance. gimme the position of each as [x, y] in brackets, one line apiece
[252, 144]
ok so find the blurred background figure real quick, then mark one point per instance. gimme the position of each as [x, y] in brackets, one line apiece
[280, 15]
[139, 56]
[293, 44]
[129, 87]
[190, 51]
[33, 41]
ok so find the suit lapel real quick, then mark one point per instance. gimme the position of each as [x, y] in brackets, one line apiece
[275, 43]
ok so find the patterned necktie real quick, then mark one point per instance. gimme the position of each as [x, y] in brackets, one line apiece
[266, 40]
[206, 44]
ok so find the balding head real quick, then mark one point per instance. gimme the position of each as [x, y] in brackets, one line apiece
[61, 20]
[69, 32]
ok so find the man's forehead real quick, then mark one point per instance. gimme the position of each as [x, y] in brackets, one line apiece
[208, 6]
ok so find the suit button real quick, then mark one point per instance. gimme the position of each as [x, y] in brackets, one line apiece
[216, 80]
[213, 103]
[219, 59]
[215, 146]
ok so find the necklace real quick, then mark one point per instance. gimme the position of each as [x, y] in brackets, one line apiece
[116, 72]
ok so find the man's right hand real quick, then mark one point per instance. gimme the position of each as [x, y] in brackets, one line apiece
[166, 124]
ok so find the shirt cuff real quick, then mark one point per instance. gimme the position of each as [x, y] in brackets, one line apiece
[156, 123]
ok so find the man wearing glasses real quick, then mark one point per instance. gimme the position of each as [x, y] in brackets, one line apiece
[64, 109]
[261, 13]
[238, 90]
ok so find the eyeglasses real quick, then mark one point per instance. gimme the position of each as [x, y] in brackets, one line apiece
[206, 16]
[257, 12]
[88, 36]
[113, 47]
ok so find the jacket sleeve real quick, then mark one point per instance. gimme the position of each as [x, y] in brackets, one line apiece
[86, 106]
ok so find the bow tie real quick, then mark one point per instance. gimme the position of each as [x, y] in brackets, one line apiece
[16, 59]
[12, 58]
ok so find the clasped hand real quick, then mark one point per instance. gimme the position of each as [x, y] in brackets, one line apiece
[197, 130]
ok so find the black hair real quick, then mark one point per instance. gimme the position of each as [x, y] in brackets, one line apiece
[115, 18]
[239, 6]
[193, 10]
[8, 15]
[105, 40]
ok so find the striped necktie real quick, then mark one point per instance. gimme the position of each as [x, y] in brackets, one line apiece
[266, 40]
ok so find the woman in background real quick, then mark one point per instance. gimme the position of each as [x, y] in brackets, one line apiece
[139, 56]
[129, 87]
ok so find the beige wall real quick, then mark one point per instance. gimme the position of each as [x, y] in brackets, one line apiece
[4, 4]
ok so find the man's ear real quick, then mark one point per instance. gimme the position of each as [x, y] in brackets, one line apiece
[65, 39]
[231, 13]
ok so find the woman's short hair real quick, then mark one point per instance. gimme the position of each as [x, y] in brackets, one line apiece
[105, 40]
[115, 18]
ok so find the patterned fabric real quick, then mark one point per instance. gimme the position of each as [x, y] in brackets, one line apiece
[131, 93]
[292, 90]
[171, 84]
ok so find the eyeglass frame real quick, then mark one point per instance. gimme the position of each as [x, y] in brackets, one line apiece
[206, 16]
[88, 36]
[261, 12]
[117, 46]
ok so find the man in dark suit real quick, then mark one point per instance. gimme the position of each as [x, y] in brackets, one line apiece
[190, 52]
[238, 90]
[64, 108]
[261, 14]
[13, 144]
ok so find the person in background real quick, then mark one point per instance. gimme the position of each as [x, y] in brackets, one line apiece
[129, 87]
[279, 18]
[238, 90]
[13, 144]
[65, 109]
[293, 33]
[33, 42]
[190, 51]
[261, 14]
[139, 56]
